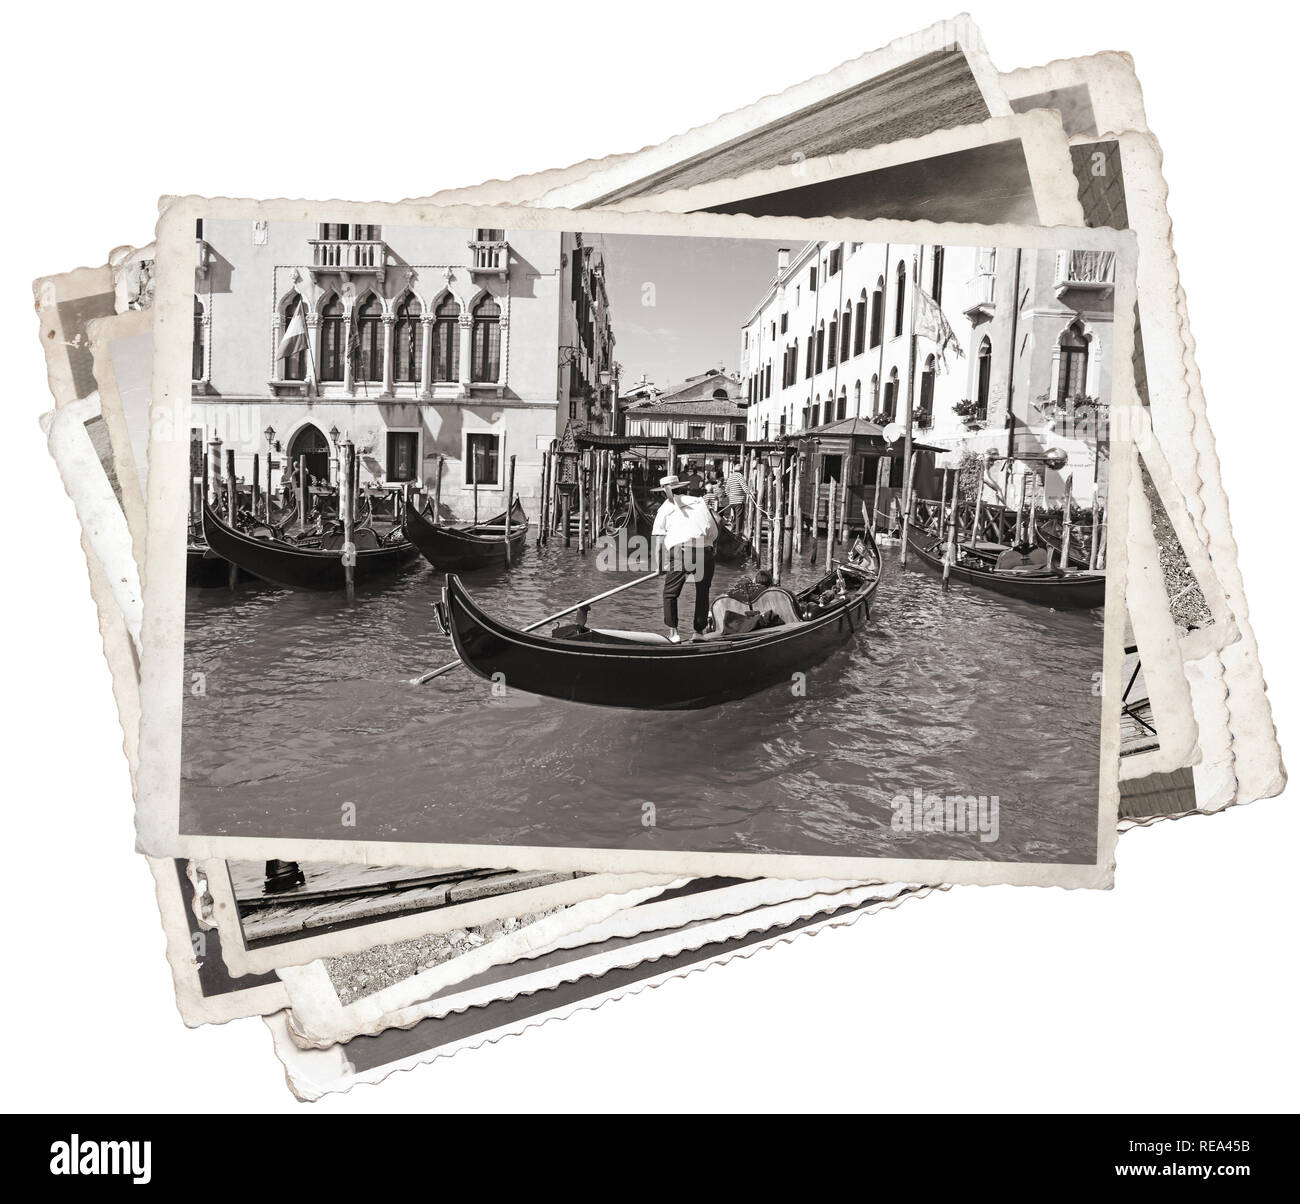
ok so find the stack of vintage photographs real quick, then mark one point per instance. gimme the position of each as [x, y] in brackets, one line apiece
[892, 372]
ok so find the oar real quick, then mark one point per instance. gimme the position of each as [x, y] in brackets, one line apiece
[559, 614]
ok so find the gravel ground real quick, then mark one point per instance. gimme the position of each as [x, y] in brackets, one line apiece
[356, 975]
[1186, 602]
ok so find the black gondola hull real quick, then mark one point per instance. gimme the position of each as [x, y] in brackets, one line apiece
[1050, 536]
[300, 568]
[657, 677]
[1061, 591]
[459, 549]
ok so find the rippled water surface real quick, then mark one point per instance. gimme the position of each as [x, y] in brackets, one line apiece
[308, 707]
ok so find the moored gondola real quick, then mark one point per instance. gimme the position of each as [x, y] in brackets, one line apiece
[1049, 535]
[297, 566]
[473, 547]
[1068, 590]
[753, 648]
[204, 569]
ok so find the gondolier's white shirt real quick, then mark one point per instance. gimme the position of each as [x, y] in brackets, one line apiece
[692, 523]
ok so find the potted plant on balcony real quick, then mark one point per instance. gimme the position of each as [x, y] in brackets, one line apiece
[969, 414]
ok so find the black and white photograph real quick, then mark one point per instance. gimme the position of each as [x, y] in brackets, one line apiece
[546, 539]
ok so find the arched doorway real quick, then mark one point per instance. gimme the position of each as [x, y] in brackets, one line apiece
[310, 442]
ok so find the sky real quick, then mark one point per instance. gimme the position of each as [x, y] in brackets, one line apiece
[677, 303]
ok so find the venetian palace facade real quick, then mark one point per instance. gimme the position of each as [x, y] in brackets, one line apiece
[417, 343]
[831, 339]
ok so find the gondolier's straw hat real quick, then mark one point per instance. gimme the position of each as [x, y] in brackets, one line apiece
[672, 481]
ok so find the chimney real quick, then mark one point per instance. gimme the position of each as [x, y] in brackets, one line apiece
[782, 259]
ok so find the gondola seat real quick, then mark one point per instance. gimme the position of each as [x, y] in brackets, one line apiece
[722, 607]
[780, 602]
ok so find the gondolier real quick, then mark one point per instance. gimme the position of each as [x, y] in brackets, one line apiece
[685, 532]
[735, 494]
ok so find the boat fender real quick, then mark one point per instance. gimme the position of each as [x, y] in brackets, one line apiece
[349, 556]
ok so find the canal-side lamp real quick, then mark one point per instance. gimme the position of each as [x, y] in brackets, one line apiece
[334, 434]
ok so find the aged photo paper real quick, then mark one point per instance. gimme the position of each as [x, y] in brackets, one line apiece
[171, 459]
[322, 1017]
[566, 981]
[1101, 102]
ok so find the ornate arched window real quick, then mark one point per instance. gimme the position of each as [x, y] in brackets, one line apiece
[821, 346]
[900, 296]
[842, 405]
[446, 339]
[860, 326]
[857, 399]
[846, 332]
[1072, 378]
[199, 358]
[332, 345]
[833, 343]
[875, 394]
[936, 276]
[293, 317]
[486, 360]
[983, 377]
[368, 319]
[812, 345]
[407, 339]
[816, 411]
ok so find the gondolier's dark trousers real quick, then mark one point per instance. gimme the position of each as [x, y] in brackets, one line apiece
[688, 563]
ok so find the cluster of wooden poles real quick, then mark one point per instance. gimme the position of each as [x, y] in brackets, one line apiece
[1010, 527]
[260, 499]
[591, 493]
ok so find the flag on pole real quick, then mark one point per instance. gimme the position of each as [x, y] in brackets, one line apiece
[354, 340]
[295, 336]
[931, 324]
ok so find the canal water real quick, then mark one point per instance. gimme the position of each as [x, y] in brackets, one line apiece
[308, 707]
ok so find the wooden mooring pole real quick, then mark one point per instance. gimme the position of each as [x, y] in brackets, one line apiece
[830, 522]
[302, 493]
[510, 505]
[232, 508]
[1067, 528]
[544, 494]
[347, 486]
[905, 518]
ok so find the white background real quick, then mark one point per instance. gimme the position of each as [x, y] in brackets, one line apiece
[1175, 991]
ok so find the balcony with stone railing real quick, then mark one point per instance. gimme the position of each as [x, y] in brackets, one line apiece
[1089, 275]
[349, 257]
[489, 258]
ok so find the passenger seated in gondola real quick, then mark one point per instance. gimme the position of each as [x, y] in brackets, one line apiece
[748, 588]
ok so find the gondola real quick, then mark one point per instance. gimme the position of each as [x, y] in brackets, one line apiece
[644, 671]
[462, 548]
[732, 547]
[1072, 590]
[204, 569]
[1049, 534]
[301, 567]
